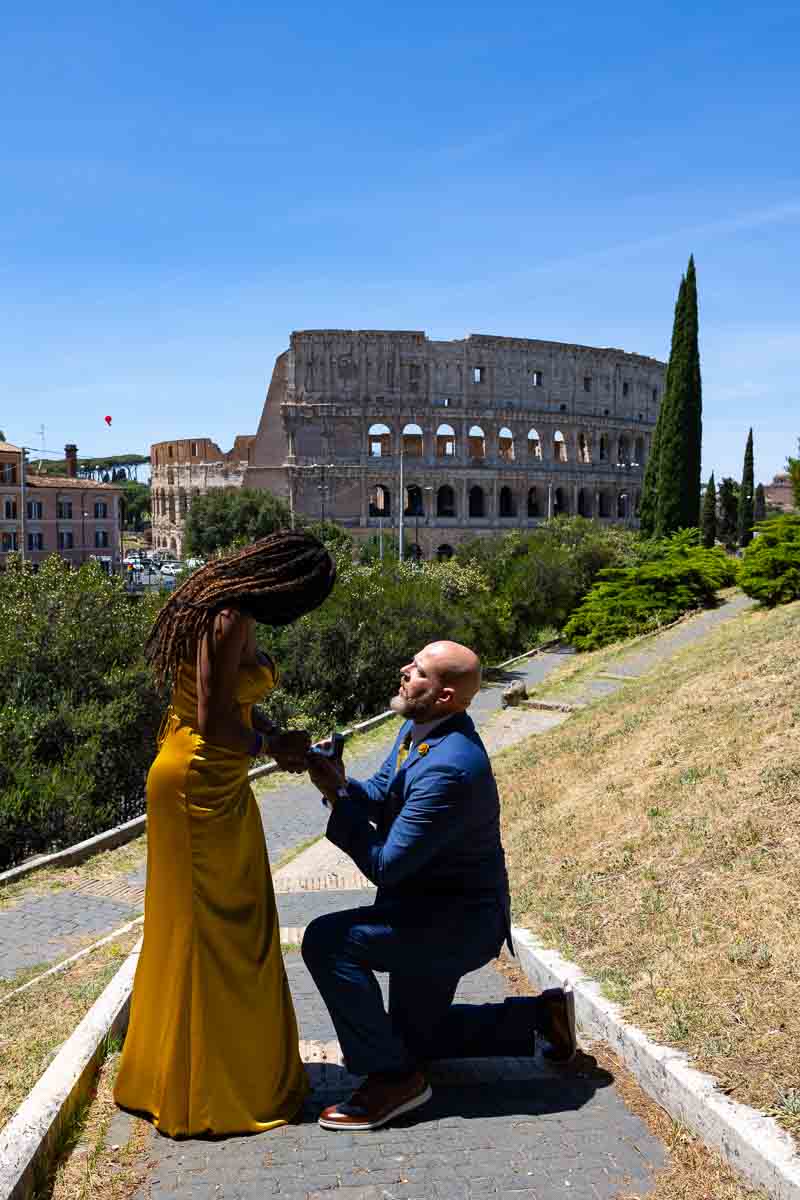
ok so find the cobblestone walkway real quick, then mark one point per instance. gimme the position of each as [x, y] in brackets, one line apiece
[495, 1127]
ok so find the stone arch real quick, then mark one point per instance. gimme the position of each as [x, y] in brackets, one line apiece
[534, 444]
[559, 447]
[412, 441]
[446, 501]
[603, 447]
[638, 451]
[477, 502]
[584, 448]
[560, 501]
[505, 445]
[380, 441]
[477, 442]
[380, 501]
[622, 506]
[444, 552]
[534, 508]
[604, 504]
[584, 502]
[445, 441]
[413, 507]
[507, 503]
[623, 448]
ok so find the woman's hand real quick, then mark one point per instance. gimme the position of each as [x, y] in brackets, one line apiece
[289, 748]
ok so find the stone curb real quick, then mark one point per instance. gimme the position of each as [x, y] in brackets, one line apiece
[753, 1144]
[29, 1140]
[121, 834]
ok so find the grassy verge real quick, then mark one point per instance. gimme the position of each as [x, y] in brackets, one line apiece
[655, 839]
[694, 1172]
[34, 1024]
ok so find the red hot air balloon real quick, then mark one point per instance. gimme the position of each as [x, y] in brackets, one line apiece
[107, 420]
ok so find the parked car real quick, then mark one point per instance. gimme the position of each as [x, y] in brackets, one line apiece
[172, 568]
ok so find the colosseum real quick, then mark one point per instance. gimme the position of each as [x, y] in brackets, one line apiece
[183, 469]
[473, 436]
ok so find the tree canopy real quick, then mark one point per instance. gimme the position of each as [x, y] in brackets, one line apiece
[223, 518]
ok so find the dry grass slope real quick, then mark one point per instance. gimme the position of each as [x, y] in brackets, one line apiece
[654, 838]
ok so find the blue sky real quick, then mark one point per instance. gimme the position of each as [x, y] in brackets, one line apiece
[184, 184]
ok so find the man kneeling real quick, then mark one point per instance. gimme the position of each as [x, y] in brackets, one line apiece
[426, 831]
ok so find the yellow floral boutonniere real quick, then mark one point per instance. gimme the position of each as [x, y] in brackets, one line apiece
[423, 748]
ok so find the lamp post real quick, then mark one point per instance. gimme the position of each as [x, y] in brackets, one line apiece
[402, 502]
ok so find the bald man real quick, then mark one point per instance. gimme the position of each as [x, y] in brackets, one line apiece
[426, 831]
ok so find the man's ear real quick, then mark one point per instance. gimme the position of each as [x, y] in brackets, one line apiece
[446, 695]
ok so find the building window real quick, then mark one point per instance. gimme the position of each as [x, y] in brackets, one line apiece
[9, 510]
[445, 441]
[10, 542]
[587, 383]
[9, 473]
[562, 408]
[101, 538]
[538, 379]
[66, 540]
[477, 374]
[446, 402]
[655, 395]
[380, 504]
[508, 506]
[64, 510]
[34, 510]
[36, 541]
[625, 388]
[170, 451]
[100, 510]
[606, 412]
[194, 449]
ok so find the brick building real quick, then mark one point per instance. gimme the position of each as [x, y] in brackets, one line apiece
[492, 433]
[57, 514]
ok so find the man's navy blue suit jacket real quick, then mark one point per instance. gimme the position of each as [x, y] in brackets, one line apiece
[436, 835]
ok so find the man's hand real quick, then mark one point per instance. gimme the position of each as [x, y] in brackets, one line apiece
[290, 749]
[327, 774]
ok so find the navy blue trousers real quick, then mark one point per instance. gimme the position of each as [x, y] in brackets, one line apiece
[425, 950]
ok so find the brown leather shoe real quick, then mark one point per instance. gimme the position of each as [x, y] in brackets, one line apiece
[377, 1101]
[560, 1009]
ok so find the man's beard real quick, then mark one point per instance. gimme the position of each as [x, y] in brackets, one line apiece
[413, 710]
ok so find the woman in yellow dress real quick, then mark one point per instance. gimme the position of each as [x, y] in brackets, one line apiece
[212, 1045]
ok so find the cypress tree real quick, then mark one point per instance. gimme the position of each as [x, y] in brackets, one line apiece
[728, 512]
[759, 505]
[648, 506]
[682, 428]
[710, 514]
[745, 513]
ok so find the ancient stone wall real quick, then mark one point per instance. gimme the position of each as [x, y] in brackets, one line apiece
[492, 433]
[184, 469]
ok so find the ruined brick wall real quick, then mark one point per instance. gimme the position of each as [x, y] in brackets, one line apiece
[185, 468]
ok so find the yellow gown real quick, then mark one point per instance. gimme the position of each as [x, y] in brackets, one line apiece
[212, 1044]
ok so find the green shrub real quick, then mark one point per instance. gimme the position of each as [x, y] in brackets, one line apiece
[672, 577]
[79, 711]
[770, 570]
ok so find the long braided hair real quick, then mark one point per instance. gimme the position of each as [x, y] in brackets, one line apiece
[276, 580]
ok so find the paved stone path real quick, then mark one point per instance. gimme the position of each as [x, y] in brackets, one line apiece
[495, 1127]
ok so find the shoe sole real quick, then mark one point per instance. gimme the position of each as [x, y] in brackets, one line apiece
[364, 1126]
[569, 997]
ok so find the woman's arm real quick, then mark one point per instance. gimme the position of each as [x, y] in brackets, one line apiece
[218, 717]
[219, 655]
